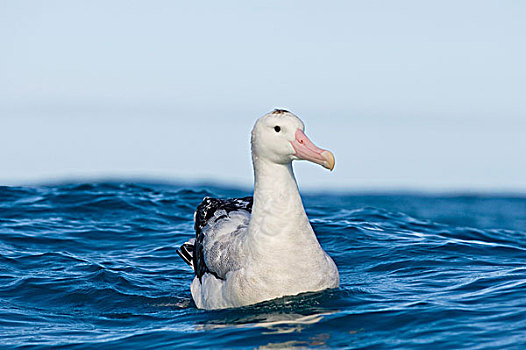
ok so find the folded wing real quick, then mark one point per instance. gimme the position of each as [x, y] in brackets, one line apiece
[220, 226]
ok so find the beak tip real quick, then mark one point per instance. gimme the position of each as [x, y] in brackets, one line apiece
[329, 159]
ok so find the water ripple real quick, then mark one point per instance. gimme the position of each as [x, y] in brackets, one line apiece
[85, 265]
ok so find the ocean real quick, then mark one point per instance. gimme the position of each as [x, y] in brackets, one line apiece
[94, 265]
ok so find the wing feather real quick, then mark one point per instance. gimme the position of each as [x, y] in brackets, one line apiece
[218, 225]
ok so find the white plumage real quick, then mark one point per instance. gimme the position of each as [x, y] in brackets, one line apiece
[244, 256]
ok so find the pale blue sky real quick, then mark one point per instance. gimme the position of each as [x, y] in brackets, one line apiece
[407, 94]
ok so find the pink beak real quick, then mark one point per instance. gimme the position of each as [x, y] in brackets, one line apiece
[306, 150]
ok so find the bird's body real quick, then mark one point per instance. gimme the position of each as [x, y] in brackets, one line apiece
[251, 250]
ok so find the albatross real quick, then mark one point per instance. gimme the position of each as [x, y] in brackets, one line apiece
[252, 249]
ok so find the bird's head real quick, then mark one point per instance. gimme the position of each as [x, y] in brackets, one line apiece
[279, 137]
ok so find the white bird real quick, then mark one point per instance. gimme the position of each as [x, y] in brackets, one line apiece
[248, 250]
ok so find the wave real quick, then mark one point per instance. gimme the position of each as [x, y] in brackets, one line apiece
[85, 265]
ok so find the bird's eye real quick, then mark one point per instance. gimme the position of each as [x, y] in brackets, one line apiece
[277, 128]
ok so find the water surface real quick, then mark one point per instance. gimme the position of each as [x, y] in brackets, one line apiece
[89, 265]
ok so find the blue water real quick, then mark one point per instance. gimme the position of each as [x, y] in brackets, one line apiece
[95, 265]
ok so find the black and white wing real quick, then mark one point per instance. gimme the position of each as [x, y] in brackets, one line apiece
[219, 227]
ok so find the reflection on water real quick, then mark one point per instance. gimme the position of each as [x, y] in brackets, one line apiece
[292, 323]
[319, 340]
[284, 317]
[291, 314]
[276, 323]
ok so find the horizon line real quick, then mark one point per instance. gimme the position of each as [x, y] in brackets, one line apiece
[244, 187]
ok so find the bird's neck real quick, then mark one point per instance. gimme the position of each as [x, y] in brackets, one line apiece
[277, 210]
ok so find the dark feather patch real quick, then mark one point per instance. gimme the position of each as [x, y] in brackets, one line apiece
[280, 111]
[205, 211]
[186, 252]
